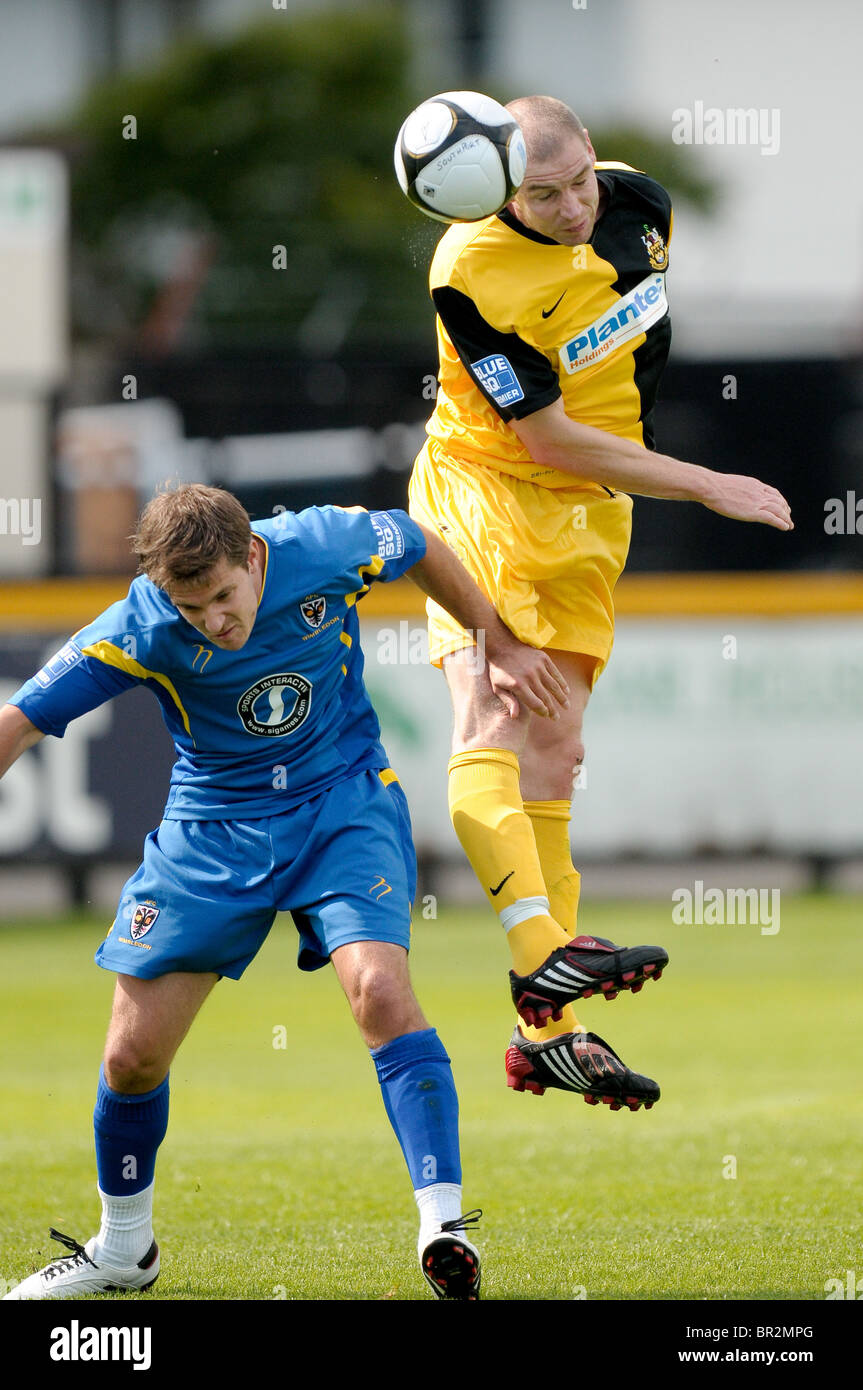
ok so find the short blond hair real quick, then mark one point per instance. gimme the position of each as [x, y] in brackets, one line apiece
[185, 531]
[546, 124]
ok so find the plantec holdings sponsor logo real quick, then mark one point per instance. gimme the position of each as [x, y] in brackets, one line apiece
[629, 317]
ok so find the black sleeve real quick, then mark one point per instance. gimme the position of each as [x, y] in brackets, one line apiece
[514, 378]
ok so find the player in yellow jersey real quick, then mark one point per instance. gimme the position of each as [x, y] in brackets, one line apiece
[553, 331]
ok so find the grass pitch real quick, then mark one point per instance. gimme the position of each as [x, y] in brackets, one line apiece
[280, 1177]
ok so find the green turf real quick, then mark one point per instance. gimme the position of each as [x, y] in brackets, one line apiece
[280, 1178]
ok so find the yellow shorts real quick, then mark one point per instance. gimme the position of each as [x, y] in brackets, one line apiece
[547, 558]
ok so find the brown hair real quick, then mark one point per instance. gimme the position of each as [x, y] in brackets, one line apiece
[185, 531]
[546, 124]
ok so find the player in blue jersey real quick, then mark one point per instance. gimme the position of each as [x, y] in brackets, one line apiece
[281, 798]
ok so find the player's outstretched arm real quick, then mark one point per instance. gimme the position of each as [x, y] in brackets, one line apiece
[519, 674]
[554, 440]
[17, 734]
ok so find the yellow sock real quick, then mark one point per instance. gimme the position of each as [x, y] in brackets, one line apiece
[498, 838]
[550, 821]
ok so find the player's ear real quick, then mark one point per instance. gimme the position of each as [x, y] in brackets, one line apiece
[590, 150]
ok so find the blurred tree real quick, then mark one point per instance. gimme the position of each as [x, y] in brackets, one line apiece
[279, 137]
[671, 165]
[188, 178]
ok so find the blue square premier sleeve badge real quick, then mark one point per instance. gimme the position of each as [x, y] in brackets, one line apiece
[497, 378]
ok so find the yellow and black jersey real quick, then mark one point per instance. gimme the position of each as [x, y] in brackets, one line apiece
[523, 320]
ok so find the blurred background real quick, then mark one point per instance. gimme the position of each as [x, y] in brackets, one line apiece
[208, 273]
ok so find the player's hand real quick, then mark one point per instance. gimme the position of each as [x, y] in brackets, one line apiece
[747, 499]
[525, 678]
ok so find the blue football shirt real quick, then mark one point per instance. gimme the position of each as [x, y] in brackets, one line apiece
[262, 729]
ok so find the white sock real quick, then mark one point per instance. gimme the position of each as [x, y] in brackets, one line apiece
[126, 1232]
[439, 1202]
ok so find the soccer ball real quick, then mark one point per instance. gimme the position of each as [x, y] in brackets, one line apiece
[460, 157]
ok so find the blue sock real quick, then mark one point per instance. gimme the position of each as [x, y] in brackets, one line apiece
[129, 1130]
[421, 1102]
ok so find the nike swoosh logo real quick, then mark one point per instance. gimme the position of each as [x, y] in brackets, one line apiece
[494, 891]
[546, 314]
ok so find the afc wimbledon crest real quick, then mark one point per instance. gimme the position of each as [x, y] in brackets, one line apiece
[657, 251]
[143, 918]
[313, 608]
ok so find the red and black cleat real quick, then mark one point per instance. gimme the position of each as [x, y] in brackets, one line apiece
[577, 1062]
[450, 1263]
[584, 966]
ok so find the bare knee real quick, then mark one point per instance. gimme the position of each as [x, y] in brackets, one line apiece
[384, 1005]
[550, 767]
[131, 1067]
[374, 976]
[149, 1020]
[376, 997]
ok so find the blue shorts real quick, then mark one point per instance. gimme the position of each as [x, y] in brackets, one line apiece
[206, 895]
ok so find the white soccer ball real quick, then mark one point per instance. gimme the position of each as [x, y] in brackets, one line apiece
[460, 156]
